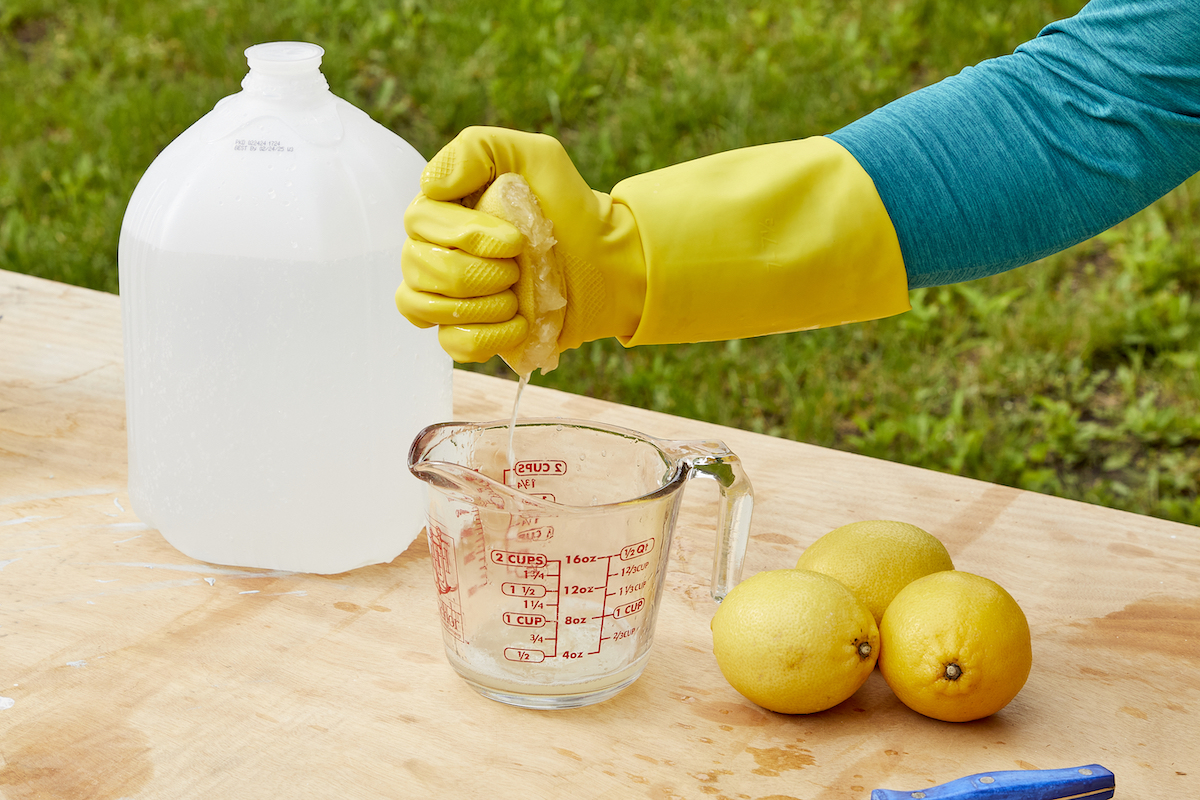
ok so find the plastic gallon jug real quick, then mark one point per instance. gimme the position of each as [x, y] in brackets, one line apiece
[272, 387]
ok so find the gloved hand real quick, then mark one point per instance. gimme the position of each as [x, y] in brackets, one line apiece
[768, 239]
[458, 263]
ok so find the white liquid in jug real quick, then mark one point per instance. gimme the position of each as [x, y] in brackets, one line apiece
[273, 389]
[231, 353]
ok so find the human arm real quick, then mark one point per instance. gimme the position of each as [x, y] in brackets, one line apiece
[1004, 163]
[1027, 154]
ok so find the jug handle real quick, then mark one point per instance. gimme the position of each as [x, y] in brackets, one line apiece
[733, 517]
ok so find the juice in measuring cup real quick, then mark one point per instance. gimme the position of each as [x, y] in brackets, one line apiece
[546, 612]
[517, 672]
[549, 564]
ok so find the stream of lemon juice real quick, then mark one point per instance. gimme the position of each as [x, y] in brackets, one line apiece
[478, 661]
[522, 382]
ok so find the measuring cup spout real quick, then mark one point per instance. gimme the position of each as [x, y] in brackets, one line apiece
[445, 476]
[441, 455]
[461, 462]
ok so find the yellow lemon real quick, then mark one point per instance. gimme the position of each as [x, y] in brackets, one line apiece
[875, 559]
[794, 641]
[539, 288]
[956, 646]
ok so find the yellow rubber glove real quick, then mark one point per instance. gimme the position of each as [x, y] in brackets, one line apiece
[768, 239]
[458, 262]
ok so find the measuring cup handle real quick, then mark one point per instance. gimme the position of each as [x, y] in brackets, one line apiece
[733, 518]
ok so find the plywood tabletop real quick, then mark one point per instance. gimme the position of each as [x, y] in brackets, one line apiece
[128, 670]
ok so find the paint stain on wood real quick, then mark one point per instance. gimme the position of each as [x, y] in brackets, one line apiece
[712, 776]
[774, 760]
[730, 714]
[1129, 550]
[974, 520]
[773, 538]
[1168, 626]
[418, 657]
[80, 755]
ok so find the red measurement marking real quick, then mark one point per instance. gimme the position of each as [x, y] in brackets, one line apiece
[527, 656]
[545, 533]
[581, 589]
[630, 589]
[523, 589]
[451, 619]
[441, 551]
[509, 559]
[520, 620]
[637, 550]
[528, 468]
[628, 608]
[631, 569]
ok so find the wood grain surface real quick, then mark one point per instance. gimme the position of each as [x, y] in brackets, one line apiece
[128, 670]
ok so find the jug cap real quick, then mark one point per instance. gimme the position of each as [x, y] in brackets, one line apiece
[284, 58]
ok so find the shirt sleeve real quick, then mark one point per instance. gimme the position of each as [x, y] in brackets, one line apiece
[1027, 154]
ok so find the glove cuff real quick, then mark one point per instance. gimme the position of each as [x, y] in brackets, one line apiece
[768, 239]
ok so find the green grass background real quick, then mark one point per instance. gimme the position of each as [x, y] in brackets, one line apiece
[1075, 376]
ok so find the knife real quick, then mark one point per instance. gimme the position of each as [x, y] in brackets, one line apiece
[1092, 782]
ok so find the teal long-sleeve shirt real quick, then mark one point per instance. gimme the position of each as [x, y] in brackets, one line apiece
[1027, 154]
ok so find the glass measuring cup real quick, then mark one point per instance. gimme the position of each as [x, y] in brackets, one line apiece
[549, 567]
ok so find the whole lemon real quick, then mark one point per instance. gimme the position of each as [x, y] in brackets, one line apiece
[875, 559]
[794, 641]
[956, 646]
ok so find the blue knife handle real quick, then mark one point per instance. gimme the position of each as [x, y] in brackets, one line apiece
[1092, 782]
